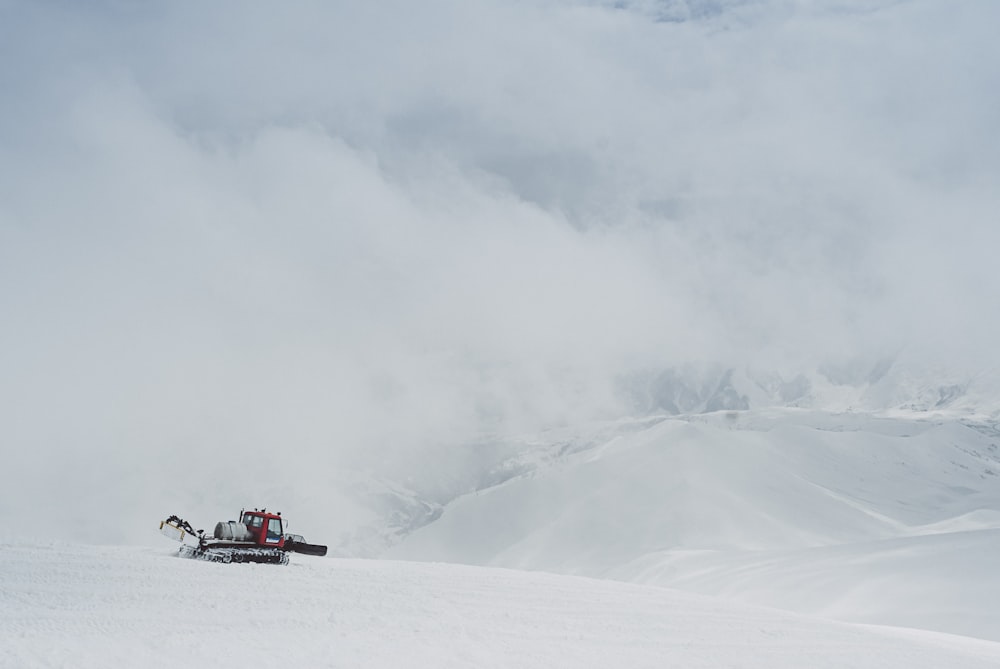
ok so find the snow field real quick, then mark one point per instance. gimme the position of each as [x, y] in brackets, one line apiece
[945, 582]
[84, 606]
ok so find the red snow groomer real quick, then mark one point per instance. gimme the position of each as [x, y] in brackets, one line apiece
[258, 536]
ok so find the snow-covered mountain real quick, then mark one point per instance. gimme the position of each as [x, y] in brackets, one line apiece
[884, 519]
[862, 393]
[867, 384]
[690, 523]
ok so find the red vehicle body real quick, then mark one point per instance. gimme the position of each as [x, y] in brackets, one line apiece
[266, 529]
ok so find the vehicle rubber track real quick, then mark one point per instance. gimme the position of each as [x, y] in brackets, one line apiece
[235, 555]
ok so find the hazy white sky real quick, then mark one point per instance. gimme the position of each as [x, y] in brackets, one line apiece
[338, 224]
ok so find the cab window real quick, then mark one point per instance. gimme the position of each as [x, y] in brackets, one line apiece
[274, 530]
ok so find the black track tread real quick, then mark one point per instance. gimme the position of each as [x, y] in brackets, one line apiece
[237, 555]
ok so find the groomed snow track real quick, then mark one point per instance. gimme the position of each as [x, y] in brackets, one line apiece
[95, 607]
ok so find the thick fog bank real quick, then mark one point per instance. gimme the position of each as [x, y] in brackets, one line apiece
[243, 247]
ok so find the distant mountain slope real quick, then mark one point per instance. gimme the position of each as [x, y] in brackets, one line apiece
[697, 502]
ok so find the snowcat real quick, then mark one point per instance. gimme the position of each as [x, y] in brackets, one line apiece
[258, 536]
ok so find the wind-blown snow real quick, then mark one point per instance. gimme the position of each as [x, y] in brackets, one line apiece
[97, 607]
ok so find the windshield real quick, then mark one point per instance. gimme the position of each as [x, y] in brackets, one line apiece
[273, 530]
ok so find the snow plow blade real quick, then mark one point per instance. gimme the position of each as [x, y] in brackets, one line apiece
[305, 549]
[172, 529]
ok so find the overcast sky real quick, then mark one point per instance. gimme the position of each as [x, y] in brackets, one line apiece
[321, 226]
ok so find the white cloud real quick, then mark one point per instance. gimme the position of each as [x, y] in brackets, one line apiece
[340, 225]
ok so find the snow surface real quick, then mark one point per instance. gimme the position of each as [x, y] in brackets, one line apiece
[64, 605]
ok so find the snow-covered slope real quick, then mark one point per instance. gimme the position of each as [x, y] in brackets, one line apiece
[946, 582]
[79, 606]
[855, 516]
